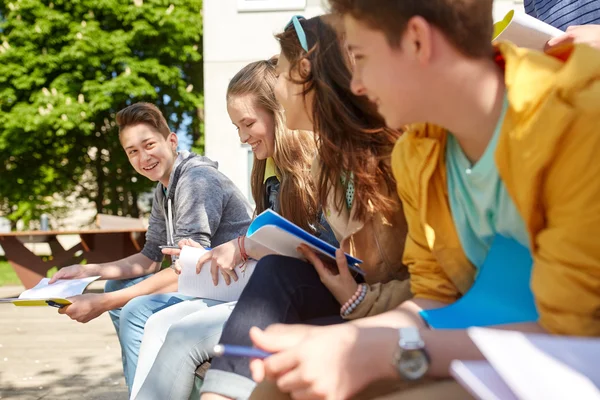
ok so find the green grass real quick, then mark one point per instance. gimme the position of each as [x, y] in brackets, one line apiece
[9, 277]
[7, 274]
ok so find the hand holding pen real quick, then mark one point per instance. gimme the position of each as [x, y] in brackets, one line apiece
[175, 250]
[230, 350]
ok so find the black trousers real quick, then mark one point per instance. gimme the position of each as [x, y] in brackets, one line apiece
[281, 290]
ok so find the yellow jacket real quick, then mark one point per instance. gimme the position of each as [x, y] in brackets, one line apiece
[548, 157]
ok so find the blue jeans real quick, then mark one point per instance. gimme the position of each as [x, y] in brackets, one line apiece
[130, 320]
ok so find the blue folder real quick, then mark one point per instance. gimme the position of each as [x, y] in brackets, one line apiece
[501, 293]
[270, 217]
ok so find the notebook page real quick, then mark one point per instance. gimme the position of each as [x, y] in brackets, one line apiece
[61, 289]
[537, 366]
[269, 239]
[481, 380]
[201, 285]
[524, 31]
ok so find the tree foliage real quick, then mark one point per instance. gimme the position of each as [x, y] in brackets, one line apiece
[66, 68]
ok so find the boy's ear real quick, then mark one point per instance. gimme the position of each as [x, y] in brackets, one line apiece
[418, 39]
[173, 141]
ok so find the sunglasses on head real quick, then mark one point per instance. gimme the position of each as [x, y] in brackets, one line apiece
[295, 22]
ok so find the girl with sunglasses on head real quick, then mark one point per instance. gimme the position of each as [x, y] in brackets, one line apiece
[356, 191]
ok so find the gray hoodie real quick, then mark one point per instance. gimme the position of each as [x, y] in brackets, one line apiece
[205, 206]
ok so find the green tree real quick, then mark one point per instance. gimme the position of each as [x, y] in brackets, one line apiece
[66, 68]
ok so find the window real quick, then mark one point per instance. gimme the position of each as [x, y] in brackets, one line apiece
[270, 5]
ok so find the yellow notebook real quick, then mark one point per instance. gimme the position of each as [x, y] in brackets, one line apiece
[54, 295]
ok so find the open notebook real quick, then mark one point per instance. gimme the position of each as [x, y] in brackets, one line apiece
[201, 285]
[274, 232]
[531, 366]
[268, 229]
[56, 294]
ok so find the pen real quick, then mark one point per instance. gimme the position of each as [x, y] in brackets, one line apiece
[239, 351]
[168, 246]
[170, 234]
[54, 304]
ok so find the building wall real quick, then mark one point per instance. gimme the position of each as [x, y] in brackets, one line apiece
[232, 39]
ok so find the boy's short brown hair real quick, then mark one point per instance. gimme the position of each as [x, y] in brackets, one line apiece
[143, 113]
[467, 24]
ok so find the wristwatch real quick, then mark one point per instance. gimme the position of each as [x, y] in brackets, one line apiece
[411, 359]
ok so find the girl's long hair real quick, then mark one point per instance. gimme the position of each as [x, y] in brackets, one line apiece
[294, 151]
[351, 136]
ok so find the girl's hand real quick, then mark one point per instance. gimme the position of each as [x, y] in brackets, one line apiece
[224, 258]
[339, 281]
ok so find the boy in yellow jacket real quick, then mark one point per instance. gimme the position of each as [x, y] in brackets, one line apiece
[500, 141]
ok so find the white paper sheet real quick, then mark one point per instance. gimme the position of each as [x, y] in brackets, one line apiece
[61, 289]
[481, 380]
[524, 30]
[201, 285]
[543, 366]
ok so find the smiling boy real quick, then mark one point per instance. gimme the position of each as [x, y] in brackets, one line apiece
[192, 200]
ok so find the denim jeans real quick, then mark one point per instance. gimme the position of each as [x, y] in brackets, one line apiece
[281, 290]
[130, 320]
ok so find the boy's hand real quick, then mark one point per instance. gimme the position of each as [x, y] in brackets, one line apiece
[177, 252]
[328, 363]
[588, 34]
[85, 307]
[76, 271]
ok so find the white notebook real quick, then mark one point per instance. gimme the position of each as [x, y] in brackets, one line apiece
[531, 366]
[201, 285]
[524, 31]
[481, 380]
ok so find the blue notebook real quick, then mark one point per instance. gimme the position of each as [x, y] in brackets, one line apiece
[501, 293]
[271, 230]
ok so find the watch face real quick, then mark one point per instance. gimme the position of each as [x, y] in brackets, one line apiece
[413, 364]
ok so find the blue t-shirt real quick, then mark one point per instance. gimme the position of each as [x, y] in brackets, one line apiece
[480, 205]
[563, 13]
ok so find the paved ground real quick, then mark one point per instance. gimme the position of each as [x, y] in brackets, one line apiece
[44, 355]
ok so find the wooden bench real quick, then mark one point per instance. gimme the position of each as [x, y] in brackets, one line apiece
[108, 222]
[95, 246]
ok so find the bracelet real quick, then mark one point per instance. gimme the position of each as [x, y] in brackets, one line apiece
[351, 299]
[355, 300]
[243, 253]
